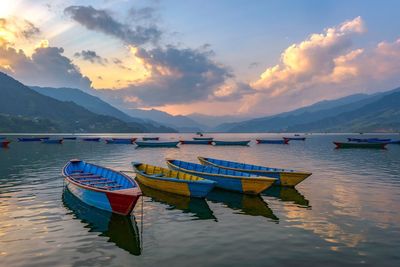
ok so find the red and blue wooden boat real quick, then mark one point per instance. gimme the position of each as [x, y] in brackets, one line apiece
[52, 141]
[5, 143]
[157, 143]
[377, 145]
[149, 138]
[101, 187]
[30, 139]
[226, 179]
[231, 143]
[272, 141]
[91, 139]
[294, 138]
[203, 138]
[128, 141]
[285, 177]
[175, 182]
[196, 142]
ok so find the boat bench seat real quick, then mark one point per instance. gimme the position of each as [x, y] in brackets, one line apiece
[109, 187]
[85, 180]
[83, 174]
[104, 182]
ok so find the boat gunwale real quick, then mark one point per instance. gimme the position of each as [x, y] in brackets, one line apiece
[223, 175]
[203, 159]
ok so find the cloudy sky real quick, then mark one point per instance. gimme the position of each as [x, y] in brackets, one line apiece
[214, 57]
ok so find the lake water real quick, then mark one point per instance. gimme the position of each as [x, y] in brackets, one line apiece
[347, 213]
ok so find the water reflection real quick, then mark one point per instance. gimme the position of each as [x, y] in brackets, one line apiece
[287, 194]
[198, 207]
[121, 230]
[246, 204]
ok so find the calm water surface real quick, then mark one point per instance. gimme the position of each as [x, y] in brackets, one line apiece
[347, 213]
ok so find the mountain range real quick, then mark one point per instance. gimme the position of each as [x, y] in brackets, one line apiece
[354, 113]
[46, 109]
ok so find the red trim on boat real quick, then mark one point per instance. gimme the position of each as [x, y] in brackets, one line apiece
[122, 204]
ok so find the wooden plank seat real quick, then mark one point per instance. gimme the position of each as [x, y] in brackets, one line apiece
[105, 182]
[87, 177]
[109, 187]
[85, 180]
[83, 174]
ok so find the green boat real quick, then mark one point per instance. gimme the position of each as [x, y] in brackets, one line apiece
[360, 145]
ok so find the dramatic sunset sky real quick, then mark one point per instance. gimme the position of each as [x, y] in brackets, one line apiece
[214, 57]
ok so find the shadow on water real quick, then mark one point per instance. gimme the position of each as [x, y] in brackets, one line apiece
[287, 194]
[245, 204]
[121, 230]
[198, 207]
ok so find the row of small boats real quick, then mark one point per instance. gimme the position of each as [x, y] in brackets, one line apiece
[117, 192]
[156, 142]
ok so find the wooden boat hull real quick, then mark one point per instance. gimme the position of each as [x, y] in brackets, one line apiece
[231, 143]
[187, 185]
[26, 139]
[118, 201]
[119, 141]
[69, 138]
[203, 138]
[196, 142]
[150, 138]
[294, 138]
[360, 145]
[242, 183]
[91, 139]
[157, 144]
[266, 141]
[369, 140]
[283, 177]
[5, 143]
[53, 141]
[395, 142]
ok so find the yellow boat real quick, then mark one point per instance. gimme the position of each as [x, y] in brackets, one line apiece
[172, 181]
[285, 177]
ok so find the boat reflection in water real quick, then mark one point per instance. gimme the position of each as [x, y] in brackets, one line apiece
[196, 206]
[121, 230]
[252, 205]
[287, 194]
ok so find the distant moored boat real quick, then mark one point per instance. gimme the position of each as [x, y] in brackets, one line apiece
[231, 143]
[4, 143]
[91, 139]
[69, 138]
[196, 142]
[203, 138]
[29, 139]
[157, 143]
[150, 138]
[52, 141]
[368, 140]
[120, 141]
[272, 141]
[294, 138]
[378, 145]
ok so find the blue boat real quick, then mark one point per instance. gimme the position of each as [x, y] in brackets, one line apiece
[52, 141]
[101, 187]
[226, 179]
[285, 177]
[133, 139]
[69, 138]
[295, 138]
[2, 137]
[395, 142]
[196, 142]
[203, 138]
[272, 141]
[231, 143]
[91, 139]
[369, 140]
[175, 182]
[29, 139]
[119, 141]
[157, 143]
[150, 138]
